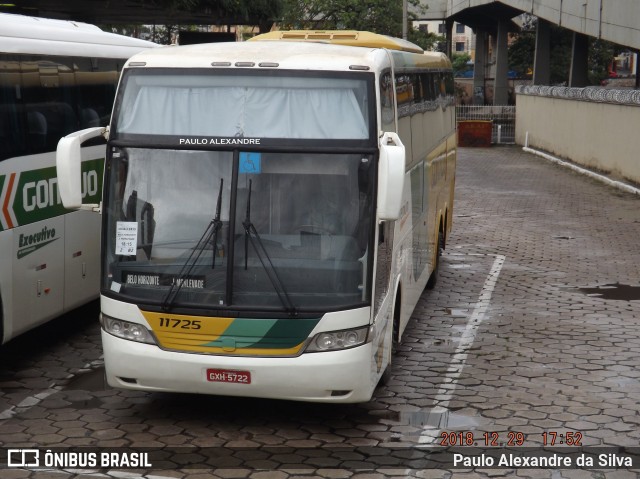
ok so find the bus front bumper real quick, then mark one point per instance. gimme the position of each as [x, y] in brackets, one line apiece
[338, 376]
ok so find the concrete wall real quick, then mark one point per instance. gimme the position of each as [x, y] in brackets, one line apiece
[600, 136]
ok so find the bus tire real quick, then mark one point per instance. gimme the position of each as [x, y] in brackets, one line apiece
[433, 279]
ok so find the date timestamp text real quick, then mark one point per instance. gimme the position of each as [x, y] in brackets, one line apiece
[511, 439]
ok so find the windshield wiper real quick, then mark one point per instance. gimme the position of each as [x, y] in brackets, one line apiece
[251, 234]
[209, 235]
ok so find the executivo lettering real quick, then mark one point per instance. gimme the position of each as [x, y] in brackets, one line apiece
[28, 243]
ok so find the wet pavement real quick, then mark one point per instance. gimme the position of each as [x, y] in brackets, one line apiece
[532, 335]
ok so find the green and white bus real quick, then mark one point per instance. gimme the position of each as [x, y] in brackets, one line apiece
[55, 77]
[272, 212]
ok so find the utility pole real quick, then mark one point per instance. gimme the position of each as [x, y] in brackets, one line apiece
[405, 19]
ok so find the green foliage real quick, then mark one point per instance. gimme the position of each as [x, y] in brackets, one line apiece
[601, 54]
[163, 34]
[428, 41]
[522, 53]
[560, 61]
[459, 62]
[378, 16]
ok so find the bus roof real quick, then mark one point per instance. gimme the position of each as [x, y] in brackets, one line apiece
[352, 38]
[290, 55]
[44, 36]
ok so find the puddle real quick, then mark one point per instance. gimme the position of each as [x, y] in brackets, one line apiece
[439, 342]
[93, 380]
[92, 403]
[80, 385]
[617, 291]
[457, 313]
[563, 237]
[437, 417]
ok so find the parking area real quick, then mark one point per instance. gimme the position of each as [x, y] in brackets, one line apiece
[531, 337]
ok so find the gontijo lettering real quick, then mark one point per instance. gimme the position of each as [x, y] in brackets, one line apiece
[33, 195]
[45, 192]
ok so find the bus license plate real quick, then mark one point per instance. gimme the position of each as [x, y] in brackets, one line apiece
[228, 376]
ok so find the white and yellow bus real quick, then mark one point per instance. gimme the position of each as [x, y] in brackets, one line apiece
[273, 211]
[55, 77]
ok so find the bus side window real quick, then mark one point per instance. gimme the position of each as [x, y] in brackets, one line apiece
[37, 130]
[387, 115]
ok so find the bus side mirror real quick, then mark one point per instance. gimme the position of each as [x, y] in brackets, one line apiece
[68, 166]
[390, 177]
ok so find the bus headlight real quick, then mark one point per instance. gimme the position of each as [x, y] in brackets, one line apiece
[336, 340]
[126, 330]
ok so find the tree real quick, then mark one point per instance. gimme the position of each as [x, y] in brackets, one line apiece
[378, 16]
[428, 41]
[601, 55]
[522, 52]
[459, 62]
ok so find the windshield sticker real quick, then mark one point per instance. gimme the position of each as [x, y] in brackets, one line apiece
[156, 279]
[219, 141]
[250, 163]
[126, 238]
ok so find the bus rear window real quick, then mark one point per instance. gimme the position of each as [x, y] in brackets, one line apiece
[219, 104]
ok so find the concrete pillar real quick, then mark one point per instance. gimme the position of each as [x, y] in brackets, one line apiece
[449, 36]
[579, 71]
[637, 68]
[501, 81]
[479, 67]
[542, 59]
[491, 55]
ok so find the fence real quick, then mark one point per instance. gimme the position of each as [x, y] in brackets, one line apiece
[591, 93]
[503, 118]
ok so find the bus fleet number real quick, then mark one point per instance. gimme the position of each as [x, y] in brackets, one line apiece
[180, 323]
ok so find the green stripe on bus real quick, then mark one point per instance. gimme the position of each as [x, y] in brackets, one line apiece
[266, 333]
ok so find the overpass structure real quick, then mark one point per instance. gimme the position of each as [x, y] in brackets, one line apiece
[591, 126]
[617, 21]
[151, 12]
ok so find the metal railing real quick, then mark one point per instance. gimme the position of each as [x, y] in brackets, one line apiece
[503, 118]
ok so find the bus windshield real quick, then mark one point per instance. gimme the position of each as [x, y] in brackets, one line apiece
[292, 233]
[265, 105]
